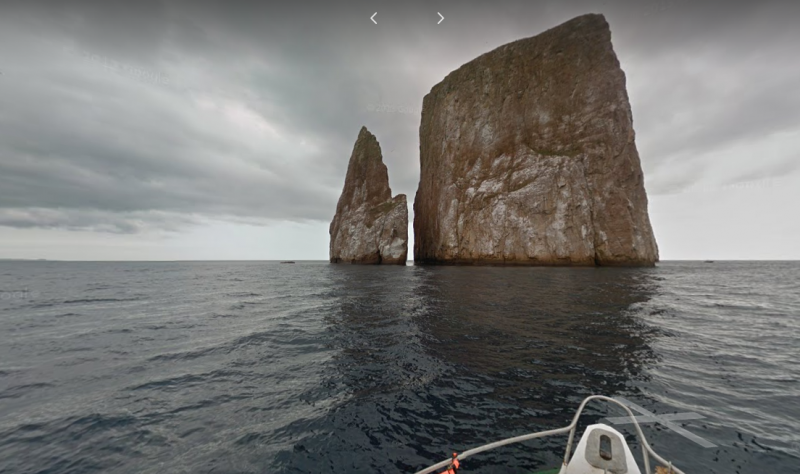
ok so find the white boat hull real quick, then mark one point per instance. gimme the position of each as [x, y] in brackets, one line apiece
[601, 450]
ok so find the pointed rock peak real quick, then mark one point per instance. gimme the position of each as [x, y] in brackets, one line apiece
[365, 137]
[589, 20]
[582, 25]
[366, 171]
[369, 226]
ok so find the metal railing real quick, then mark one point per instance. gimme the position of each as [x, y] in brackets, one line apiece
[647, 451]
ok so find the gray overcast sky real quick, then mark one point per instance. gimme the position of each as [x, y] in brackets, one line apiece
[199, 130]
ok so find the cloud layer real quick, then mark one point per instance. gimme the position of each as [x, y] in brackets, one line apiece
[131, 118]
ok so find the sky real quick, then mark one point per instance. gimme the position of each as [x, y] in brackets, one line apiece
[195, 130]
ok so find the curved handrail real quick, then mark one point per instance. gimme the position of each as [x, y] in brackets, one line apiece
[646, 449]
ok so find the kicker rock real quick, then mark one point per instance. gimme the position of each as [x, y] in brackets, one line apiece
[369, 226]
[527, 157]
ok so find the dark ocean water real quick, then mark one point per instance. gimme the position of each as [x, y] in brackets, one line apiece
[235, 367]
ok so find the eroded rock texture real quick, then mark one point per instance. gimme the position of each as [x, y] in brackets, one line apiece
[528, 157]
[369, 226]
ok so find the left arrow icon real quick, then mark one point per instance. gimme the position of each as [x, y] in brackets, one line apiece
[373, 18]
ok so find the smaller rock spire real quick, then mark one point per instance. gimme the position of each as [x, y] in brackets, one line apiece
[370, 226]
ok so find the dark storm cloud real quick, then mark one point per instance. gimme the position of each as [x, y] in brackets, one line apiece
[125, 116]
[86, 134]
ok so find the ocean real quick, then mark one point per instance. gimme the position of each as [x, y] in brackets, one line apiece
[262, 367]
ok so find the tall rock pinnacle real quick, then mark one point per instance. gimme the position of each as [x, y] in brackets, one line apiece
[528, 157]
[369, 226]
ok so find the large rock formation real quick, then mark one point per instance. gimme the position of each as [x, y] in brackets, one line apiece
[369, 226]
[528, 157]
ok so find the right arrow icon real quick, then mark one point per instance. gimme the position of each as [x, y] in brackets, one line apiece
[440, 16]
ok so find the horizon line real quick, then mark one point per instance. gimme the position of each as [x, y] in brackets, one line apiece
[327, 261]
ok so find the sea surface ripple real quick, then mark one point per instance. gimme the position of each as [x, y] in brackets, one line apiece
[261, 367]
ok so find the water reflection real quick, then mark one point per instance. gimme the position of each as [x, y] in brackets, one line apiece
[431, 359]
[546, 337]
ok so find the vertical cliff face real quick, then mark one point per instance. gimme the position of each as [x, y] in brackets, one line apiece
[528, 157]
[370, 226]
